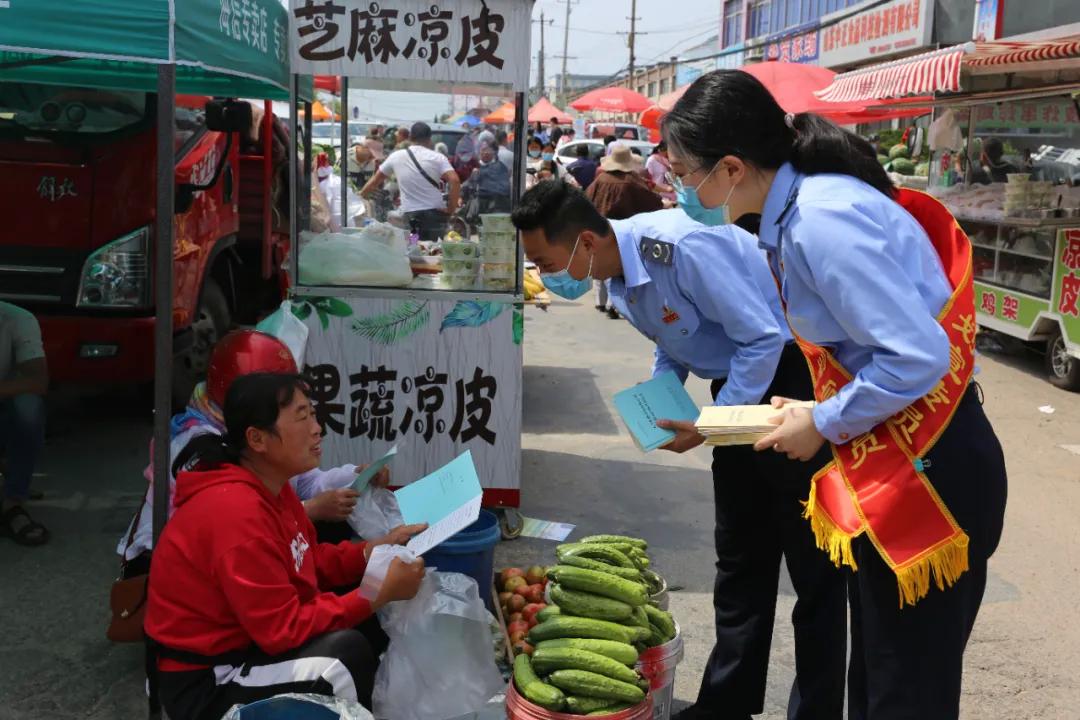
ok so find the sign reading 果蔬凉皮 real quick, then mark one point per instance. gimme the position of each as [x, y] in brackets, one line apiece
[459, 42]
[432, 377]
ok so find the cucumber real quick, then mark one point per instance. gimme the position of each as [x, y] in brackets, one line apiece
[637, 618]
[533, 688]
[589, 605]
[583, 682]
[620, 539]
[549, 612]
[599, 583]
[656, 637]
[662, 620]
[601, 553]
[653, 582]
[565, 626]
[549, 659]
[612, 709]
[583, 705]
[623, 652]
[631, 573]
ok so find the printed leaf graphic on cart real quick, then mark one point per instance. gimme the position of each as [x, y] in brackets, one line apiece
[325, 308]
[388, 328]
[519, 324]
[472, 313]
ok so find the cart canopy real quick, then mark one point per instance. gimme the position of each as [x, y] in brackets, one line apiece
[234, 48]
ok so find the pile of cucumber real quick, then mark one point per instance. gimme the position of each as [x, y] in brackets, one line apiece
[589, 636]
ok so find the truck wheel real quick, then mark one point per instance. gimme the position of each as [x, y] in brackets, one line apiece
[1062, 369]
[212, 321]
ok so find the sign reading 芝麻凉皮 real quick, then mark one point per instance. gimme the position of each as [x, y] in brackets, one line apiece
[459, 42]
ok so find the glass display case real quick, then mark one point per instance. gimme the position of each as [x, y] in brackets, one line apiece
[427, 214]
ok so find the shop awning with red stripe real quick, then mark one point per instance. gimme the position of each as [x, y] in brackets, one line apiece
[940, 71]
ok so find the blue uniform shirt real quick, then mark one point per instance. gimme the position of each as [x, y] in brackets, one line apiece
[860, 277]
[704, 295]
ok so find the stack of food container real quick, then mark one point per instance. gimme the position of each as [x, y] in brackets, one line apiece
[460, 263]
[498, 251]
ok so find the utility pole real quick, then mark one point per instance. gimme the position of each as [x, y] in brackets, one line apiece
[633, 23]
[541, 78]
[565, 49]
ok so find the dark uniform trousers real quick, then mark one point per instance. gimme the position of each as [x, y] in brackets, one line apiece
[759, 510]
[907, 663]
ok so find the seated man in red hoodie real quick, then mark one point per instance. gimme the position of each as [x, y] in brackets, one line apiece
[237, 609]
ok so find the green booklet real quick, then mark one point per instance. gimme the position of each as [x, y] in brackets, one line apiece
[662, 398]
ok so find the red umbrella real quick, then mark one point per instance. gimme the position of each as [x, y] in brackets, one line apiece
[612, 99]
[503, 114]
[543, 111]
[793, 85]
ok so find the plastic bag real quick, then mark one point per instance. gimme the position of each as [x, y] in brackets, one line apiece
[439, 664]
[287, 328]
[338, 259]
[375, 514]
[294, 705]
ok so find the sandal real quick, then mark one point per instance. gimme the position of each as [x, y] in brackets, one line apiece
[30, 533]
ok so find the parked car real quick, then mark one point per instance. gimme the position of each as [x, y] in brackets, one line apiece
[623, 131]
[329, 134]
[567, 154]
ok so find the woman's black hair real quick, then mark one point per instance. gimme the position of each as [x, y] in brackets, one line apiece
[253, 401]
[729, 112]
[660, 147]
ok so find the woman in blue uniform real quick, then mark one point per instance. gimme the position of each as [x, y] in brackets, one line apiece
[876, 284]
[704, 295]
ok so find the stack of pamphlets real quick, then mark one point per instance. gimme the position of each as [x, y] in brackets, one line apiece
[739, 424]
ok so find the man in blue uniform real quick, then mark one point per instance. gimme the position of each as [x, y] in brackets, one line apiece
[706, 297]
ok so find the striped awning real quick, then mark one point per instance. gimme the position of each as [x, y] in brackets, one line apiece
[939, 71]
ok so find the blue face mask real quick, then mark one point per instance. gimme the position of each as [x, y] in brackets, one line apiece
[565, 285]
[547, 156]
[690, 203]
[534, 153]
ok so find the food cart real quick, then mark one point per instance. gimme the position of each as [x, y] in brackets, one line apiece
[1008, 167]
[198, 47]
[430, 363]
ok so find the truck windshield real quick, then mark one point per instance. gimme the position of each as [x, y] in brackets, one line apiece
[325, 132]
[45, 110]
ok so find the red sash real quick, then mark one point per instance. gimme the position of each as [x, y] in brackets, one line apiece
[875, 482]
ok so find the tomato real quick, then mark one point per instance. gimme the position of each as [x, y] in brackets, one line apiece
[519, 626]
[535, 574]
[517, 637]
[523, 647]
[504, 597]
[531, 609]
[514, 583]
[534, 593]
[516, 617]
[509, 573]
[515, 604]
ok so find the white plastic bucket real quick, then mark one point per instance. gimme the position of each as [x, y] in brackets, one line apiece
[658, 665]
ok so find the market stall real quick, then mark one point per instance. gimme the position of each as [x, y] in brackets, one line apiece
[415, 344]
[198, 47]
[1006, 161]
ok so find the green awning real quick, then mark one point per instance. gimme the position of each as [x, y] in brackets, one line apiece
[236, 48]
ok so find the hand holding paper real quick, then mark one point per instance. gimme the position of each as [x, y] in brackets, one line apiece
[448, 500]
[372, 474]
[643, 406]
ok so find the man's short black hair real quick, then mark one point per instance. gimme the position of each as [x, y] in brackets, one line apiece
[501, 136]
[608, 139]
[420, 132]
[560, 210]
[554, 121]
[582, 150]
[993, 149]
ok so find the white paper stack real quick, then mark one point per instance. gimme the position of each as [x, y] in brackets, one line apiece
[739, 424]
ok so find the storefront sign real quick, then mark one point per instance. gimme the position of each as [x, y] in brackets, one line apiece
[1007, 305]
[465, 41]
[988, 20]
[433, 377]
[799, 45]
[1067, 302]
[878, 32]
[1052, 114]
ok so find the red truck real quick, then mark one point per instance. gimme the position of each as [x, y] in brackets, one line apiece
[77, 213]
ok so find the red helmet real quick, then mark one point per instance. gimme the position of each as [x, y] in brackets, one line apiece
[243, 352]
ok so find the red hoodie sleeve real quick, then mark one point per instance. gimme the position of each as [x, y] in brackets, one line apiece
[340, 564]
[266, 604]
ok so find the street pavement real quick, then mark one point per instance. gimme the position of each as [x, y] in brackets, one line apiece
[579, 466]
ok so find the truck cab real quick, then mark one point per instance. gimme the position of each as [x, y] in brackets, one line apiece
[78, 191]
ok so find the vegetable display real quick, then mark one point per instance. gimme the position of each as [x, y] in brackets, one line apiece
[580, 650]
